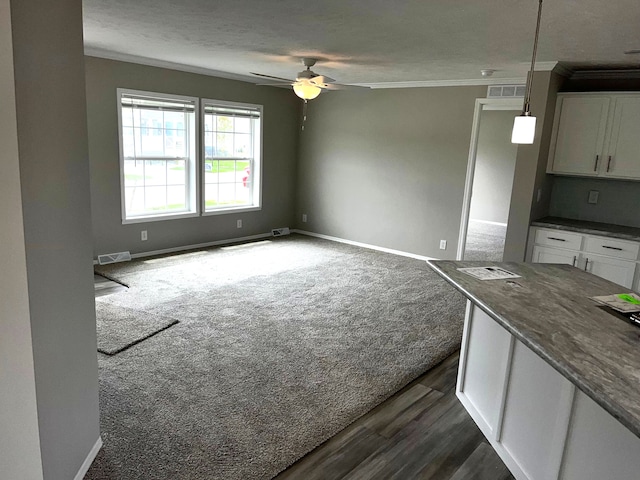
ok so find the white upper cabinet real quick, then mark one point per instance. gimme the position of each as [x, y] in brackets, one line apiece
[623, 152]
[596, 135]
[578, 138]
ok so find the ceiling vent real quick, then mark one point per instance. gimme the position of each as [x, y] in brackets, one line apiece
[506, 91]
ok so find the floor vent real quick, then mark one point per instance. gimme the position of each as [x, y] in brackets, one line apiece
[114, 258]
[506, 91]
[278, 232]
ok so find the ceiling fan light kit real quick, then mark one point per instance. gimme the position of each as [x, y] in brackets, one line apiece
[306, 90]
[524, 125]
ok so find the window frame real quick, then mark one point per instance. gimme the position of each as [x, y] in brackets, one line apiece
[256, 170]
[192, 162]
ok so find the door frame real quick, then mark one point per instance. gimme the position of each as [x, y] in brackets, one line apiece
[482, 104]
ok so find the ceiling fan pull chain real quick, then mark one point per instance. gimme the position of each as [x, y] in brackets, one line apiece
[304, 114]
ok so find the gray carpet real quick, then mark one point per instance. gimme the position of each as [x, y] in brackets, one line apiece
[280, 345]
[119, 328]
[485, 241]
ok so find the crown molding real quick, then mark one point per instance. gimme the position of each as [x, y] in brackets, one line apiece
[606, 74]
[152, 62]
[446, 83]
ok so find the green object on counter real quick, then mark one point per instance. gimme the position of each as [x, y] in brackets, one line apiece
[628, 298]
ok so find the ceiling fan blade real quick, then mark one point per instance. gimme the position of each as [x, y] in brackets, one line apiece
[320, 79]
[272, 77]
[274, 84]
[340, 86]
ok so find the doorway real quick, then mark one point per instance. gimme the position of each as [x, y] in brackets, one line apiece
[490, 170]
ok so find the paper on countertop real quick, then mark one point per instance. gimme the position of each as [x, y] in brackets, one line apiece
[488, 273]
[622, 302]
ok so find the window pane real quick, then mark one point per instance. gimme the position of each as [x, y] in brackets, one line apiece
[155, 172]
[208, 123]
[241, 171]
[242, 125]
[242, 145]
[211, 195]
[209, 145]
[128, 143]
[155, 198]
[134, 199]
[211, 171]
[151, 142]
[176, 172]
[224, 124]
[175, 143]
[176, 198]
[224, 144]
[127, 117]
[133, 173]
[227, 193]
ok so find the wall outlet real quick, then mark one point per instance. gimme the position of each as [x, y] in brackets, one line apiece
[143, 235]
[593, 196]
[443, 244]
[239, 223]
[304, 218]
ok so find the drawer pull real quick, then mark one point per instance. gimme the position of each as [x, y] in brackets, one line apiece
[595, 167]
[586, 265]
[609, 163]
[557, 239]
[612, 248]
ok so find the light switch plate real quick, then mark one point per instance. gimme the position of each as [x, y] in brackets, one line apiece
[593, 196]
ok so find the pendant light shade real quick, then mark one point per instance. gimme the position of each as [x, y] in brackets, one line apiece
[524, 129]
[306, 90]
[524, 126]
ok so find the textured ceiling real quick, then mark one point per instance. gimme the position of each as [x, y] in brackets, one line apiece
[364, 41]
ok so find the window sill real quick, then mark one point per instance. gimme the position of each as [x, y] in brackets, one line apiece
[158, 218]
[222, 211]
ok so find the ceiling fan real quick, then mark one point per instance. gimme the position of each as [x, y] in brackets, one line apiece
[308, 84]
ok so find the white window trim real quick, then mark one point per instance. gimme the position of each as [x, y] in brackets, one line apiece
[257, 198]
[194, 166]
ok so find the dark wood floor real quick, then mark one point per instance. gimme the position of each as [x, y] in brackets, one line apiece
[422, 432]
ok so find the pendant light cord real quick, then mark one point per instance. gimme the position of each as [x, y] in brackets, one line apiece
[533, 63]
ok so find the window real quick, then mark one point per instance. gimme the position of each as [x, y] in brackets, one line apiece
[158, 155]
[164, 174]
[232, 152]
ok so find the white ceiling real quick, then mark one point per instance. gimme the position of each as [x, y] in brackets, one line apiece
[394, 42]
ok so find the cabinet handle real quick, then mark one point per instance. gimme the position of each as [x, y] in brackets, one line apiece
[595, 167]
[586, 265]
[612, 248]
[557, 239]
[574, 260]
[609, 163]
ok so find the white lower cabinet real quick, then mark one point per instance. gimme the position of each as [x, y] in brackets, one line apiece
[618, 271]
[612, 259]
[540, 425]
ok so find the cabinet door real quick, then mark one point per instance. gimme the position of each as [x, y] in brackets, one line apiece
[617, 271]
[554, 255]
[623, 154]
[579, 135]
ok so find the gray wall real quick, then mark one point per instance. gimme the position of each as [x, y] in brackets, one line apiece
[495, 164]
[387, 167]
[19, 436]
[54, 176]
[530, 173]
[617, 202]
[281, 132]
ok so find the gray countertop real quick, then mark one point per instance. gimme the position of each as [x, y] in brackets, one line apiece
[593, 228]
[548, 309]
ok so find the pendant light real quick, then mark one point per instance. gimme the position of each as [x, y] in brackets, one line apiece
[524, 125]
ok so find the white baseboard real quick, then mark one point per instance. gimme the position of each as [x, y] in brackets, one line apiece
[488, 222]
[84, 468]
[364, 245]
[198, 245]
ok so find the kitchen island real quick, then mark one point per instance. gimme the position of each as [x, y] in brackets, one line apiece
[551, 378]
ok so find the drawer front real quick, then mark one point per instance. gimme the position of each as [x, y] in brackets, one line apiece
[612, 247]
[559, 238]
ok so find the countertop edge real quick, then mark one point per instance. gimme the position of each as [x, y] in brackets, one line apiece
[618, 413]
[585, 230]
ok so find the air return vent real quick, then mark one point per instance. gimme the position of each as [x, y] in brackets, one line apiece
[114, 258]
[506, 91]
[278, 232]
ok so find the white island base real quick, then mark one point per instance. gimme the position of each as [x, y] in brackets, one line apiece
[538, 422]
